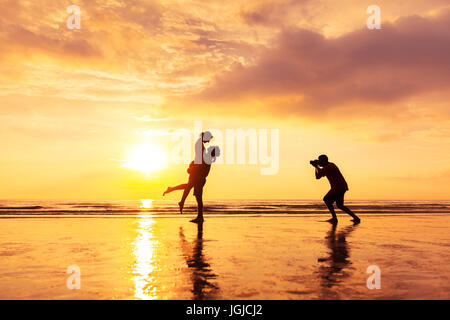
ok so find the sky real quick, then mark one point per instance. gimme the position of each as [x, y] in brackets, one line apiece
[99, 112]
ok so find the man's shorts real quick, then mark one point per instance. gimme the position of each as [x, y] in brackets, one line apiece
[198, 187]
[197, 183]
[335, 196]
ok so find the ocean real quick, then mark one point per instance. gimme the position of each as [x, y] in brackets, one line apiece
[11, 208]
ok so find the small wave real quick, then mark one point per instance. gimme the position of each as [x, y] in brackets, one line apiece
[22, 208]
[96, 206]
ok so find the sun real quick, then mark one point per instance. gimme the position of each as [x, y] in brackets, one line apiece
[146, 158]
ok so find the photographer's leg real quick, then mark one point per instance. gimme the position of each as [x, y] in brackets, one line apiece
[340, 205]
[333, 213]
[329, 200]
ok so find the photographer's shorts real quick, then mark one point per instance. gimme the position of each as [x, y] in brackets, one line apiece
[335, 196]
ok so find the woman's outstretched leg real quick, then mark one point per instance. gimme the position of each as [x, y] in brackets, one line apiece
[171, 189]
[187, 189]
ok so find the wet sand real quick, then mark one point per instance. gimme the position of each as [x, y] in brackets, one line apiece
[231, 257]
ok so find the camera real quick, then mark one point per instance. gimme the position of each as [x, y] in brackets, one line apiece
[314, 162]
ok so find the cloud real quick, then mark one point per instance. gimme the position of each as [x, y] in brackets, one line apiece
[274, 13]
[309, 73]
[147, 118]
[17, 36]
[125, 50]
[145, 51]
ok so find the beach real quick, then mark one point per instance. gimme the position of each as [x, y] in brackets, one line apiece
[232, 256]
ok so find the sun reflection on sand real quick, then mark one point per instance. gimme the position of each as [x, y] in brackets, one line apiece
[145, 264]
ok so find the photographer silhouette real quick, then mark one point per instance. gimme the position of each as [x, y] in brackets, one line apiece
[339, 187]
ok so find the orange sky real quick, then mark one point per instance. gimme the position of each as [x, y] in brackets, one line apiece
[75, 103]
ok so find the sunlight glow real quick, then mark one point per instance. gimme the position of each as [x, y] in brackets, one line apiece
[146, 158]
[146, 203]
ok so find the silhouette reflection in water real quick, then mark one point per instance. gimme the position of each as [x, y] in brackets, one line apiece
[334, 268]
[202, 274]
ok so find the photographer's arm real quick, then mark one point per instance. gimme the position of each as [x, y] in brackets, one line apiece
[319, 173]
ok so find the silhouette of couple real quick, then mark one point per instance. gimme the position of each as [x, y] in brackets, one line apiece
[199, 169]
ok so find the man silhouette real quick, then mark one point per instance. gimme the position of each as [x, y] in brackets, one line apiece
[338, 187]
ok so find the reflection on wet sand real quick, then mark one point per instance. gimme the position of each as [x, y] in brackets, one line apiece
[202, 274]
[145, 263]
[333, 269]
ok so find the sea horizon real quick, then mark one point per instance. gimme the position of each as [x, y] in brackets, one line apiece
[213, 207]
